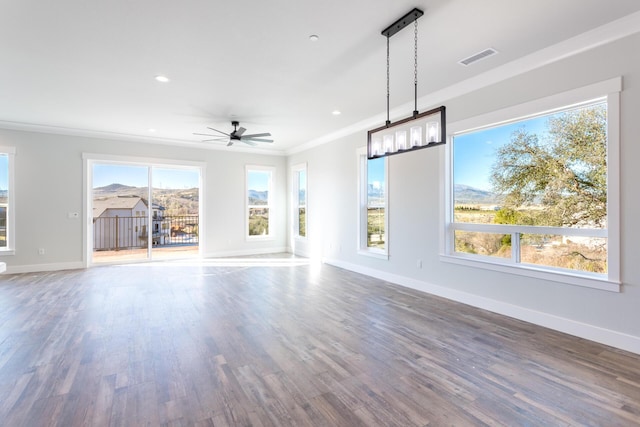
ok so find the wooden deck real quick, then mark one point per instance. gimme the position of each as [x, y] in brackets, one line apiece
[158, 253]
[278, 342]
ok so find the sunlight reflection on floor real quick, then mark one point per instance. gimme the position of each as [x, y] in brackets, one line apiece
[276, 260]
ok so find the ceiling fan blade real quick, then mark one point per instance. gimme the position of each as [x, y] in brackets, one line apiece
[257, 140]
[230, 143]
[240, 131]
[219, 131]
[257, 135]
[214, 140]
[248, 142]
[214, 137]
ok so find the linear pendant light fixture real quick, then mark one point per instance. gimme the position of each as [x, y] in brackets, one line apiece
[421, 130]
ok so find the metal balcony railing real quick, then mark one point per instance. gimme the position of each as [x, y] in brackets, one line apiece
[129, 232]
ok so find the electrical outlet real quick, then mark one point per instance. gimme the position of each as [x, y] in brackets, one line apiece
[419, 263]
[41, 251]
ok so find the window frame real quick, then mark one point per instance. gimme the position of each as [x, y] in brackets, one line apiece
[363, 181]
[607, 91]
[9, 248]
[295, 198]
[270, 201]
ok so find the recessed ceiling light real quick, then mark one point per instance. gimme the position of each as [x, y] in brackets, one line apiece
[152, 130]
[162, 79]
[336, 112]
[314, 38]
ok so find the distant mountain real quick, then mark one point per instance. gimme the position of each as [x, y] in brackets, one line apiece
[465, 194]
[258, 197]
[375, 191]
[112, 188]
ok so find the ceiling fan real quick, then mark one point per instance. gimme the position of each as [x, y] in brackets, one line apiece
[236, 135]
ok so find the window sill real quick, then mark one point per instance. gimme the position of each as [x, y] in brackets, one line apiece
[259, 238]
[7, 252]
[373, 254]
[594, 281]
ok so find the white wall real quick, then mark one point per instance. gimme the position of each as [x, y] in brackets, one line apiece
[415, 209]
[49, 184]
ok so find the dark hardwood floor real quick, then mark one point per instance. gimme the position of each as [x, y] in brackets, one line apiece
[252, 344]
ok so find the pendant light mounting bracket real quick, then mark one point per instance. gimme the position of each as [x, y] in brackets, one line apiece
[407, 19]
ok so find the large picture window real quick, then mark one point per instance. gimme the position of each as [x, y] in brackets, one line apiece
[259, 201]
[6, 200]
[533, 193]
[373, 207]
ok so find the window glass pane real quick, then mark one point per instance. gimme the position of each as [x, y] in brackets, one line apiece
[302, 222]
[489, 244]
[376, 203]
[4, 198]
[176, 211]
[549, 170]
[259, 221]
[258, 201]
[587, 254]
[258, 187]
[120, 207]
[301, 187]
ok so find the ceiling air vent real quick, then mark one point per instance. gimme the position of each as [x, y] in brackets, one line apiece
[478, 56]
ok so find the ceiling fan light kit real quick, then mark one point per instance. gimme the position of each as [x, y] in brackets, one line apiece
[237, 135]
[420, 130]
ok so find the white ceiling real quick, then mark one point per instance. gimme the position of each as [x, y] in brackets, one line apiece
[88, 66]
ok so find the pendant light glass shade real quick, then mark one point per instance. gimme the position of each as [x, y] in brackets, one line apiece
[423, 130]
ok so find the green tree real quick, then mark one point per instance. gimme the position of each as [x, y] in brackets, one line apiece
[566, 172]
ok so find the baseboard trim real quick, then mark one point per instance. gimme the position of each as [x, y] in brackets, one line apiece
[562, 324]
[34, 268]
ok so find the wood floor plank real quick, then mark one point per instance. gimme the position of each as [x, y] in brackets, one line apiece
[235, 344]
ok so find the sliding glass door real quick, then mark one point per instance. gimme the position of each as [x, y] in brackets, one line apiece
[143, 211]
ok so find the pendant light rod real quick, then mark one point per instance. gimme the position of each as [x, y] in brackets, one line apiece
[415, 67]
[402, 22]
[388, 92]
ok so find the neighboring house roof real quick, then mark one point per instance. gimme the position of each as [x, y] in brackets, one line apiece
[119, 202]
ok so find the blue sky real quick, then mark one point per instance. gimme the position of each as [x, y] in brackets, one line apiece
[4, 166]
[175, 178]
[473, 153]
[302, 179]
[258, 180]
[375, 170]
[137, 176]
